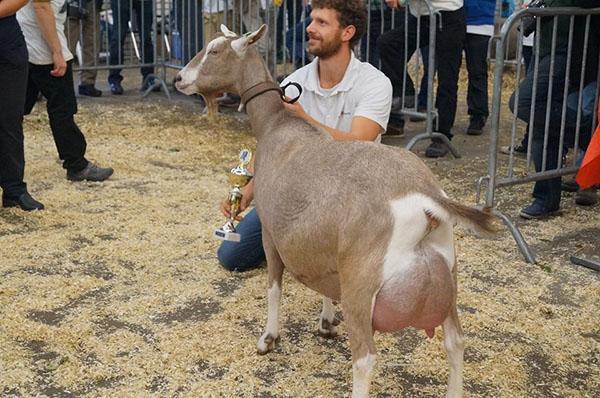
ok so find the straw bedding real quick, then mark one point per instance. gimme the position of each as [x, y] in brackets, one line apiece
[115, 290]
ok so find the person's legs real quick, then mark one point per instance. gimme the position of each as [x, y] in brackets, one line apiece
[91, 44]
[13, 80]
[144, 13]
[449, 46]
[248, 253]
[121, 15]
[61, 107]
[392, 48]
[477, 68]
[422, 97]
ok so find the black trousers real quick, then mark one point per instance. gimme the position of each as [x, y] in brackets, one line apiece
[476, 47]
[13, 83]
[61, 106]
[449, 42]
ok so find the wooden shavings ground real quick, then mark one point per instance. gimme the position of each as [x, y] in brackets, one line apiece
[114, 289]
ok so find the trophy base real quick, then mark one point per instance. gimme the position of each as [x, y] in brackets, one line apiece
[226, 235]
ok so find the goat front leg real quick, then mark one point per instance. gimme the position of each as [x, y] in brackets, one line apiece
[267, 341]
[327, 321]
[455, 348]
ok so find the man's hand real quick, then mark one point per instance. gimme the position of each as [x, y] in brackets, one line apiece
[60, 66]
[296, 109]
[247, 196]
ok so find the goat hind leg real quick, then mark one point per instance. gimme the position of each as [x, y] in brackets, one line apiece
[455, 348]
[327, 321]
[268, 339]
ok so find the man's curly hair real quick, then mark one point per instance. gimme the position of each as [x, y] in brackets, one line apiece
[350, 12]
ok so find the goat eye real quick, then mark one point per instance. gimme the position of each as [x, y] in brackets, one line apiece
[213, 52]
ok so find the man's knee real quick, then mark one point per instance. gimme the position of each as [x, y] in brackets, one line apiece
[227, 257]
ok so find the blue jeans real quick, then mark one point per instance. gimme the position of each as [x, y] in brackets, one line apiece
[547, 192]
[248, 253]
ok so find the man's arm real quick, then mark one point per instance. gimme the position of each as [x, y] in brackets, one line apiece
[47, 24]
[363, 129]
[10, 7]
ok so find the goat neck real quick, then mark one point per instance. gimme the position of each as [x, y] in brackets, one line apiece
[265, 109]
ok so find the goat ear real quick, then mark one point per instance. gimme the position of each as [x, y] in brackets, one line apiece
[227, 32]
[241, 45]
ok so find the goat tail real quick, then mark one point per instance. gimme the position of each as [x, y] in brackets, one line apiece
[480, 222]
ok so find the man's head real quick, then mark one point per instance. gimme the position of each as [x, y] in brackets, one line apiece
[335, 24]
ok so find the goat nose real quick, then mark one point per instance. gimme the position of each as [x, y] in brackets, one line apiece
[178, 77]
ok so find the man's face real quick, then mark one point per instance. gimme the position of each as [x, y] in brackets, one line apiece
[324, 33]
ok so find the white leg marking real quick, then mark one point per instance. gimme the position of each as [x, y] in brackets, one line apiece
[454, 344]
[266, 342]
[362, 371]
[326, 323]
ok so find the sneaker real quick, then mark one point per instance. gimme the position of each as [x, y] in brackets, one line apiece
[569, 185]
[519, 150]
[394, 130]
[537, 211]
[89, 90]
[150, 83]
[587, 197]
[229, 100]
[436, 149]
[24, 201]
[90, 173]
[476, 125]
[116, 88]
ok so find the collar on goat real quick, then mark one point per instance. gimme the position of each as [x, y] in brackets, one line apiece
[263, 87]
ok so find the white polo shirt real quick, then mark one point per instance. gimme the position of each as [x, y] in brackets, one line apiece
[364, 91]
[39, 51]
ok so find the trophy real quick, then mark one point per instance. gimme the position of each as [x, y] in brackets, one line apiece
[239, 176]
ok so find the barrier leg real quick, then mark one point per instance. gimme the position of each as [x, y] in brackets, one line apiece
[158, 81]
[426, 136]
[523, 246]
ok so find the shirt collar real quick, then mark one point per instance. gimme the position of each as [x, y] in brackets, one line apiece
[346, 83]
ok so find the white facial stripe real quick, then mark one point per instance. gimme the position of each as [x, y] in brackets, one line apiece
[189, 75]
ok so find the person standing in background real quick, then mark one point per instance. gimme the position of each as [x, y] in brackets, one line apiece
[13, 80]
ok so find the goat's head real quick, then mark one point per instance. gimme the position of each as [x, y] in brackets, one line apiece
[218, 67]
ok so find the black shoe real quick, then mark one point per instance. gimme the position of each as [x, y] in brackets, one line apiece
[229, 100]
[587, 197]
[90, 173]
[89, 90]
[394, 130]
[150, 82]
[24, 201]
[476, 125]
[569, 185]
[116, 88]
[538, 211]
[436, 149]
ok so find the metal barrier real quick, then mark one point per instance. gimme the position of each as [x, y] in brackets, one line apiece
[554, 109]
[157, 35]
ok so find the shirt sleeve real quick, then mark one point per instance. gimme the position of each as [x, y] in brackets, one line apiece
[376, 100]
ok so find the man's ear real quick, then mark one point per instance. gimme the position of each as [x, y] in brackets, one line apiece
[241, 45]
[348, 33]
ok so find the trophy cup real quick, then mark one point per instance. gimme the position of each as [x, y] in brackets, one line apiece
[239, 176]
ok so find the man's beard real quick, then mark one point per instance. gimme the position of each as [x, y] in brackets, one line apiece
[327, 49]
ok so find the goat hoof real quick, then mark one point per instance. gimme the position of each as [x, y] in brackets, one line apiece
[327, 329]
[266, 343]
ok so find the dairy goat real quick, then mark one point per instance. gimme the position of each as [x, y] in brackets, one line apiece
[360, 223]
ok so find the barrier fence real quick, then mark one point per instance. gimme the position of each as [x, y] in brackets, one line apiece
[556, 101]
[156, 35]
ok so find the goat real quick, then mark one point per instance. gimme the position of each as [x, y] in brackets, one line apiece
[360, 223]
